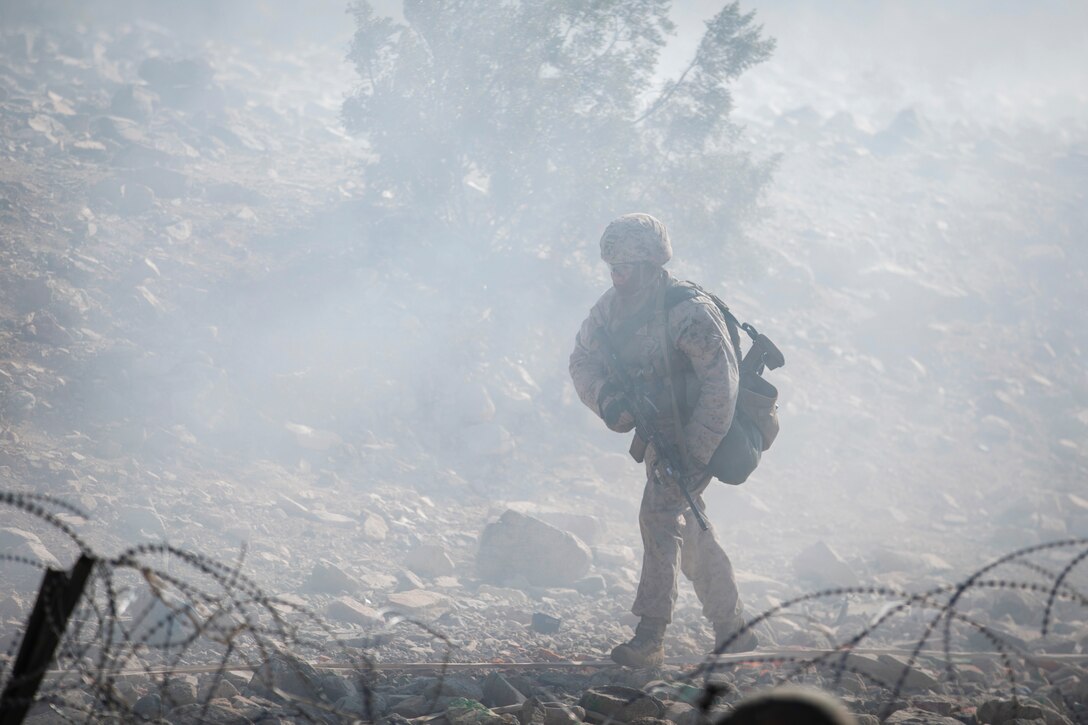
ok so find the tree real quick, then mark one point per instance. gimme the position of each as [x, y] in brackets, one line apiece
[521, 125]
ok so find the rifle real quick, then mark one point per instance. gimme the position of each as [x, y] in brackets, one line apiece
[664, 466]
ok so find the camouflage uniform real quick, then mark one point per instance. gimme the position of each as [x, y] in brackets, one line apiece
[703, 357]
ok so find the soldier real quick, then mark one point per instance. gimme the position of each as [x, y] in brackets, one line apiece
[698, 381]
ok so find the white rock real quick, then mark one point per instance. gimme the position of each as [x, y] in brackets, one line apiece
[374, 527]
[418, 602]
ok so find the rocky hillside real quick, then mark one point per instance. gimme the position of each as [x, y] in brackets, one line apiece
[204, 341]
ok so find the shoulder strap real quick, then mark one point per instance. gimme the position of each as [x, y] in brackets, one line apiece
[677, 421]
[689, 290]
[676, 293]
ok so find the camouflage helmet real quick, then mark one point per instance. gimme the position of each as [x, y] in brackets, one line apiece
[636, 238]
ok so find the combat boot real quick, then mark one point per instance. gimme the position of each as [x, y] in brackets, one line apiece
[646, 648]
[725, 631]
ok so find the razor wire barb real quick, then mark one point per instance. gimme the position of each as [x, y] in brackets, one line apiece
[944, 600]
[147, 623]
[134, 615]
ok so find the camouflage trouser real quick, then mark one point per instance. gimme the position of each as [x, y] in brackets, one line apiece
[672, 542]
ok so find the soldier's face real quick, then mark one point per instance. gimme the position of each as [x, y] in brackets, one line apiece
[628, 278]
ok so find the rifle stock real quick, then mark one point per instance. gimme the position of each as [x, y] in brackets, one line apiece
[762, 353]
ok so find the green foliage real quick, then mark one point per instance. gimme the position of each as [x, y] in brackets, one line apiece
[531, 124]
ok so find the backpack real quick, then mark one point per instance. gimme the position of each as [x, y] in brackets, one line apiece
[755, 420]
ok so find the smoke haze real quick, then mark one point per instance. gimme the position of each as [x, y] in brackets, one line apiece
[917, 254]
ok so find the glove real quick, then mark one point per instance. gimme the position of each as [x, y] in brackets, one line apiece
[615, 410]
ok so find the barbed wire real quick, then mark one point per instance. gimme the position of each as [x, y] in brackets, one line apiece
[154, 616]
[945, 602]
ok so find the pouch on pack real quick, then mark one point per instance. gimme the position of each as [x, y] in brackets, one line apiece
[755, 420]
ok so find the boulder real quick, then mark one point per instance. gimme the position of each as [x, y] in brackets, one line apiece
[522, 546]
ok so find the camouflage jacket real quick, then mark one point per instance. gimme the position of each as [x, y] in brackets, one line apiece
[704, 363]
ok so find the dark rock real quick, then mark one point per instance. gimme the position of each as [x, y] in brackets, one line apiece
[499, 692]
[455, 686]
[179, 692]
[532, 712]
[368, 706]
[285, 672]
[545, 623]
[148, 707]
[328, 578]
[622, 703]
[335, 687]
